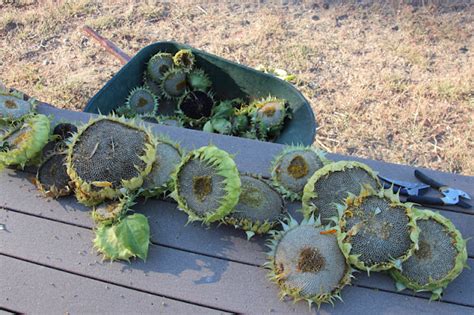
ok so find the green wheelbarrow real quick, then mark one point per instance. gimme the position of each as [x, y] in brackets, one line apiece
[229, 80]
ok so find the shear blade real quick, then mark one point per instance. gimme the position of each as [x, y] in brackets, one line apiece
[464, 195]
[454, 193]
[404, 184]
[450, 200]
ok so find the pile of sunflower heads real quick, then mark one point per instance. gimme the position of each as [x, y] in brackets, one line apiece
[350, 222]
[176, 92]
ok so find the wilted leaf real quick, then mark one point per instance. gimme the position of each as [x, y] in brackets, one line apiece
[130, 237]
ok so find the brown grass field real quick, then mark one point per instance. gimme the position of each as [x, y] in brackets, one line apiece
[387, 82]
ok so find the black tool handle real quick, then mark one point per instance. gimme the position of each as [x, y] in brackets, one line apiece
[422, 200]
[427, 180]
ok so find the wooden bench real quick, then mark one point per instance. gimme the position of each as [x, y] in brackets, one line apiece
[47, 264]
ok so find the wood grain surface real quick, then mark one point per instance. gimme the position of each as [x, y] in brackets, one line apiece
[190, 268]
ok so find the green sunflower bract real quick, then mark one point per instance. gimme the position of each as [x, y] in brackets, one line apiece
[441, 256]
[25, 141]
[207, 184]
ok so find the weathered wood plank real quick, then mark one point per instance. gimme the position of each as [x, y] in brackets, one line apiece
[256, 156]
[168, 224]
[185, 276]
[167, 272]
[168, 229]
[459, 291]
[31, 288]
[230, 244]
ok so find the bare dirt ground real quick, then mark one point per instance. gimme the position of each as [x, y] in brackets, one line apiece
[387, 83]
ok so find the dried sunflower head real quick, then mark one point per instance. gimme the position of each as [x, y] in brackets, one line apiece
[51, 178]
[142, 101]
[64, 131]
[439, 259]
[198, 80]
[158, 65]
[306, 262]
[184, 59]
[292, 168]
[268, 116]
[57, 143]
[207, 184]
[159, 180]
[196, 107]
[107, 156]
[173, 84]
[376, 231]
[331, 184]
[259, 209]
[13, 106]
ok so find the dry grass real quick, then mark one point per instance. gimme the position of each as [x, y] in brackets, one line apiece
[395, 86]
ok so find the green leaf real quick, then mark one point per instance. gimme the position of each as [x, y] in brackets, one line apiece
[208, 127]
[128, 238]
[225, 109]
[221, 125]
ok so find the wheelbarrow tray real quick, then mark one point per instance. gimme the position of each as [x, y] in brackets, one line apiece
[229, 80]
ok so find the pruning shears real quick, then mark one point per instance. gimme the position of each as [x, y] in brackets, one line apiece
[415, 191]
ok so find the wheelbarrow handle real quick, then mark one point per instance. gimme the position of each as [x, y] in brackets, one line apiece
[107, 44]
